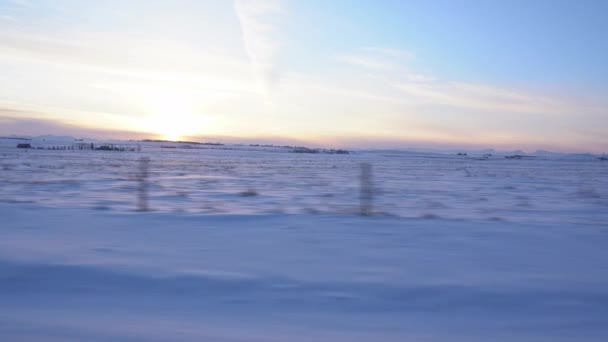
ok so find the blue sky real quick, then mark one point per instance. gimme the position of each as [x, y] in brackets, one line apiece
[503, 74]
[513, 42]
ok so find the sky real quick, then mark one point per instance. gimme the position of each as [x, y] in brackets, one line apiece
[490, 74]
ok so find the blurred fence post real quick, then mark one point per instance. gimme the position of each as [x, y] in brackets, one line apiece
[142, 178]
[367, 192]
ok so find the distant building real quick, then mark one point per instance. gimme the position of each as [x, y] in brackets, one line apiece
[24, 146]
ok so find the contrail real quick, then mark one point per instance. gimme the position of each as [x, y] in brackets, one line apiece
[260, 40]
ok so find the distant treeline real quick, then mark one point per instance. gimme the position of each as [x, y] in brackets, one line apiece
[84, 146]
[271, 145]
[183, 142]
[302, 149]
[318, 150]
[103, 147]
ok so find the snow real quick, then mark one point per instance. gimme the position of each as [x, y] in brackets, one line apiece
[460, 249]
[212, 180]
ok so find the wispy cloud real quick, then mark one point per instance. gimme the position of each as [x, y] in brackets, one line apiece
[126, 57]
[32, 126]
[378, 58]
[368, 62]
[260, 38]
[415, 77]
[26, 3]
[394, 68]
[8, 18]
[390, 52]
[479, 96]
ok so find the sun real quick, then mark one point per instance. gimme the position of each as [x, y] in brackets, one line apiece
[173, 116]
[170, 131]
[177, 125]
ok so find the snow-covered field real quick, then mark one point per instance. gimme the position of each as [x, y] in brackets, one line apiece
[212, 180]
[460, 249]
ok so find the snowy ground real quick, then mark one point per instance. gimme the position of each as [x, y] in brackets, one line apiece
[462, 249]
[563, 188]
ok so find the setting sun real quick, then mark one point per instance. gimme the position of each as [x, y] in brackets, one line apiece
[173, 115]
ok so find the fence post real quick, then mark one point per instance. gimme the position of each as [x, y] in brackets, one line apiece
[142, 178]
[367, 192]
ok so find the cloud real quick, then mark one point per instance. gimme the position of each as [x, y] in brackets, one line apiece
[392, 68]
[390, 52]
[368, 62]
[378, 58]
[260, 38]
[26, 3]
[122, 58]
[8, 18]
[33, 126]
[414, 77]
[479, 96]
